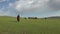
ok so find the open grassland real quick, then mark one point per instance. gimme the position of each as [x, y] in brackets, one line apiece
[9, 25]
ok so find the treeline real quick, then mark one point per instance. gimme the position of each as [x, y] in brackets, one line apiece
[31, 18]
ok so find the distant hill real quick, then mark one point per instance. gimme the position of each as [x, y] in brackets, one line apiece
[23, 17]
[6, 16]
[54, 17]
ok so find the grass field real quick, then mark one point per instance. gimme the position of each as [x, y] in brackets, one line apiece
[9, 25]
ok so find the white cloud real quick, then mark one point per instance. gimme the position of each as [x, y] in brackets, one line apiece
[2, 13]
[30, 5]
[2, 0]
[54, 4]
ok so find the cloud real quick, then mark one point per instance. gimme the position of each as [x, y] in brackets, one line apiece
[3, 12]
[7, 11]
[54, 4]
[30, 5]
[2, 0]
[33, 7]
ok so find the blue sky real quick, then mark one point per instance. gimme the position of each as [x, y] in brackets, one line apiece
[30, 8]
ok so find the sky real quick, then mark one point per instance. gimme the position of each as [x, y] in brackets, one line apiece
[30, 8]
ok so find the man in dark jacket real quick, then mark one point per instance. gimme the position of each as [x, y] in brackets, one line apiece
[18, 18]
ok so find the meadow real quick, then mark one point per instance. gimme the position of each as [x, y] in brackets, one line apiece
[9, 25]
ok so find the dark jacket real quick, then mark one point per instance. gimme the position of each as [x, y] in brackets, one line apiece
[18, 18]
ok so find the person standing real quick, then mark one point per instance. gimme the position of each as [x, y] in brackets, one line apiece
[18, 18]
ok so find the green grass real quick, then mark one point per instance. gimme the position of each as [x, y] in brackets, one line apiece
[9, 25]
